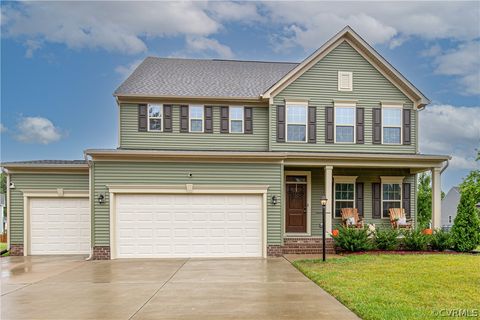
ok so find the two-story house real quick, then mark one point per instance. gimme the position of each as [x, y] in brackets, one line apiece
[222, 158]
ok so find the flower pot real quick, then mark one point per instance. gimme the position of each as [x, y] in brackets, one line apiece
[427, 231]
[335, 232]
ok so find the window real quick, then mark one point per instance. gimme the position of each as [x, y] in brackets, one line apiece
[155, 114]
[297, 122]
[345, 81]
[236, 119]
[196, 118]
[392, 125]
[391, 197]
[344, 124]
[344, 197]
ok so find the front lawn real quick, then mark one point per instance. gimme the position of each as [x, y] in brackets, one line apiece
[3, 246]
[399, 286]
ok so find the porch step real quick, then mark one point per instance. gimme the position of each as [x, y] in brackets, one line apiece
[306, 245]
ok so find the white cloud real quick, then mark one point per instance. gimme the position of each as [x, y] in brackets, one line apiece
[207, 45]
[37, 130]
[446, 129]
[432, 51]
[2, 128]
[127, 70]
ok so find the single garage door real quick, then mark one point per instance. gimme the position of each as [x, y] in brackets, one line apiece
[59, 226]
[166, 226]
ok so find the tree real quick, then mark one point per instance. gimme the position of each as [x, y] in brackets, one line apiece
[424, 201]
[3, 183]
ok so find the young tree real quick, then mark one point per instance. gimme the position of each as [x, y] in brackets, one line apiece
[424, 201]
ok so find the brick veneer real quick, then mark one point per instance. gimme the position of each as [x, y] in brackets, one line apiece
[301, 245]
[16, 249]
[101, 253]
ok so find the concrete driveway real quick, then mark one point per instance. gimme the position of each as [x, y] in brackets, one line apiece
[55, 287]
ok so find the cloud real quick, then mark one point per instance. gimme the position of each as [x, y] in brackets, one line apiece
[2, 128]
[127, 70]
[37, 130]
[207, 45]
[432, 51]
[446, 129]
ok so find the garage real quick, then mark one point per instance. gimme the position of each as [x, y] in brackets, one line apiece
[59, 226]
[188, 225]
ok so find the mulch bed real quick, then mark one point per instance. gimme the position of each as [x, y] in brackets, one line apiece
[400, 252]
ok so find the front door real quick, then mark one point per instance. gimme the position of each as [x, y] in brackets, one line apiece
[296, 204]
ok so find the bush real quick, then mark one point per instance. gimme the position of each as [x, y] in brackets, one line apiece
[351, 239]
[415, 240]
[386, 239]
[441, 240]
[466, 226]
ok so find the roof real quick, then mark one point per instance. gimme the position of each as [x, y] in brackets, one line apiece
[156, 77]
[45, 164]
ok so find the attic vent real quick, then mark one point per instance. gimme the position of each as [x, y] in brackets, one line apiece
[345, 81]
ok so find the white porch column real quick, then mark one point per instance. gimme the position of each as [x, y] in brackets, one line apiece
[436, 199]
[329, 196]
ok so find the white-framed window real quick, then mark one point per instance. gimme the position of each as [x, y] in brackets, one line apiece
[391, 194]
[345, 123]
[155, 117]
[196, 118]
[236, 118]
[297, 122]
[344, 194]
[392, 124]
[345, 81]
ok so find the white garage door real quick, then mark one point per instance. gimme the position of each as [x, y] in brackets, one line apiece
[59, 226]
[165, 226]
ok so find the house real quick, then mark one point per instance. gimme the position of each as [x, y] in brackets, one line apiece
[449, 207]
[222, 158]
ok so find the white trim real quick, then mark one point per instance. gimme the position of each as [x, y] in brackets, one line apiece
[393, 106]
[308, 174]
[185, 189]
[161, 117]
[230, 119]
[45, 193]
[8, 210]
[345, 105]
[343, 180]
[190, 118]
[350, 80]
[296, 104]
[391, 180]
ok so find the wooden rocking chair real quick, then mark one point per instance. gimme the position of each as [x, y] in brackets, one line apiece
[395, 215]
[348, 214]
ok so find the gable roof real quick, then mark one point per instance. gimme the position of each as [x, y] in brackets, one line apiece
[166, 77]
[367, 51]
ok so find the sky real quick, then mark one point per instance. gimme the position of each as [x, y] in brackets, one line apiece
[61, 62]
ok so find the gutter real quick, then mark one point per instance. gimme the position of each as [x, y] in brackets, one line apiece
[445, 166]
[89, 163]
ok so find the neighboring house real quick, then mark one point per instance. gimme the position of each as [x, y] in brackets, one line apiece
[449, 207]
[224, 158]
[3, 220]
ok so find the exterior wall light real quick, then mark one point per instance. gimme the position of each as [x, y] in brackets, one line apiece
[323, 202]
[101, 199]
[12, 185]
[274, 200]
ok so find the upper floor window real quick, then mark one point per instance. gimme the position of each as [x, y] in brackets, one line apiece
[345, 81]
[236, 117]
[344, 123]
[196, 116]
[297, 122]
[155, 115]
[392, 124]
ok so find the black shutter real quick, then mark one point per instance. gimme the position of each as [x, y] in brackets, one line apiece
[329, 125]
[312, 125]
[360, 125]
[208, 121]
[359, 198]
[167, 118]
[184, 118]
[407, 131]
[224, 120]
[281, 124]
[406, 199]
[377, 125]
[376, 201]
[248, 118]
[142, 117]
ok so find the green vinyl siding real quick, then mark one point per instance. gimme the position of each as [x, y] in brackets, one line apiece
[319, 85]
[131, 138]
[48, 181]
[161, 173]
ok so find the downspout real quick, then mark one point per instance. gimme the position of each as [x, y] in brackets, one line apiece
[89, 162]
[445, 166]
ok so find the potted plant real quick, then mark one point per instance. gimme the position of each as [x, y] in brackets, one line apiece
[427, 231]
[335, 233]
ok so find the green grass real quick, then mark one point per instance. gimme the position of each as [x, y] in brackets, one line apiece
[3, 246]
[399, 286]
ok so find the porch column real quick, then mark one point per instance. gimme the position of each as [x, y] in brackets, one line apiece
[436, 199]
[329, 196]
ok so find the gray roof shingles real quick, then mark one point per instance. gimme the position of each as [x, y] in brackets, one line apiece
[203, 78]
[46, 162]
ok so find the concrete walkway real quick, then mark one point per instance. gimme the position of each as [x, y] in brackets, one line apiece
[70, 288]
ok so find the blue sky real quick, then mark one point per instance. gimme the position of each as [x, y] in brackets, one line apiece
[60, 62]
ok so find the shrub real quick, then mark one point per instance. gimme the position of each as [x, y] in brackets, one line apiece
[351, 239]
[386, 239]
[415, 240]
[466, 226]
[441, 240]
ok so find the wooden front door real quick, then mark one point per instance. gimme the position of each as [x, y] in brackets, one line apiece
[296, 207]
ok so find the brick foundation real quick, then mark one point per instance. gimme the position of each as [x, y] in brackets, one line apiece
[301, 245]
[101, 253]
[16, 249]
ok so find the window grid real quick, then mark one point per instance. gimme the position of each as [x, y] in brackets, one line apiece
[196, 114]
[392, 125]
[344, 197]
[155, 114]
[236, 116]
[391, 198]
[345, 124]
[297, 123]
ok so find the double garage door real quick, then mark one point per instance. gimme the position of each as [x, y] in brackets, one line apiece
[187, 225]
